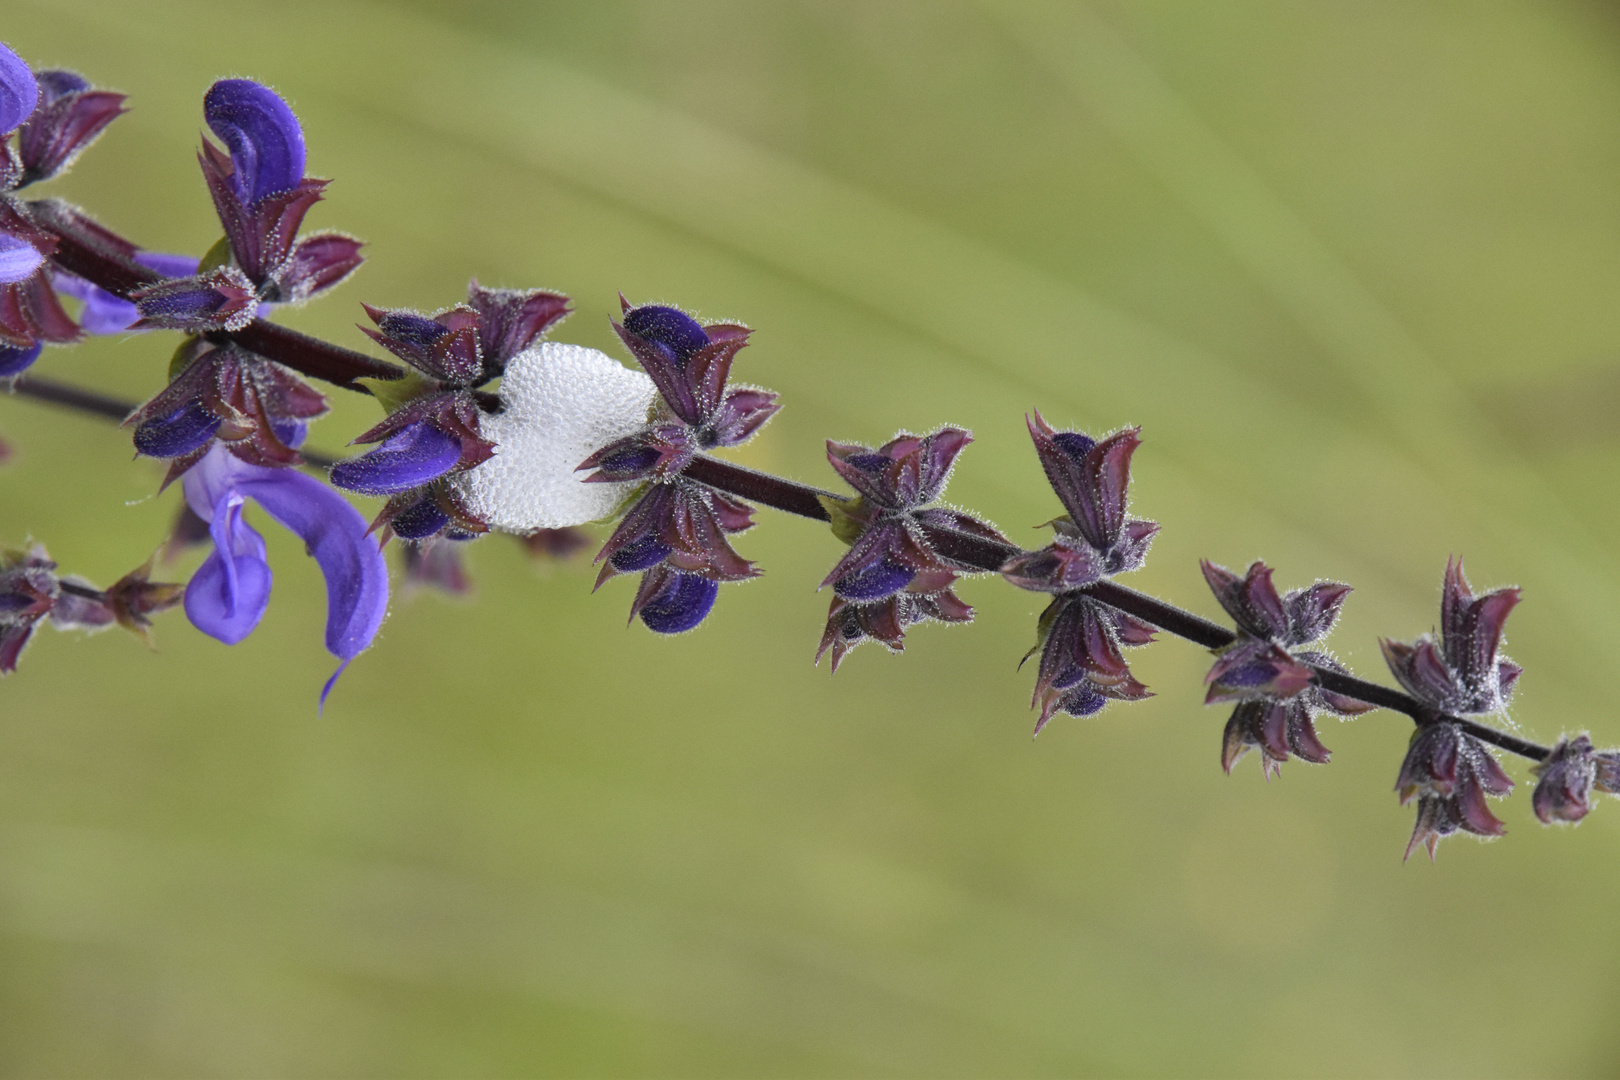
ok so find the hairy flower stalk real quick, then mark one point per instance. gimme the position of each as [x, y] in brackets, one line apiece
[572, 437]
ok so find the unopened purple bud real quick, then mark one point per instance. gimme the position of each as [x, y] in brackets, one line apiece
[1074, 444]
[683, 601]
[674, 329]
[1083, 700]
[221, 299]
[14, 361]
[177, 434]
[262, 134]
[419, 453]
[635, 460]
[421, 519]
[641, 554]
[884, 578]
[19, 92]
[411, 328]
[105, 313]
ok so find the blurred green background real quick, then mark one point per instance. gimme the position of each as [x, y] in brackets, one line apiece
[1353, 267]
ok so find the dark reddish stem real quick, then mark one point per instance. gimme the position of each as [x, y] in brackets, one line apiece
[103, 258]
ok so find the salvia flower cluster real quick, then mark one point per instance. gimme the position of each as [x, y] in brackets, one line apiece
[674, 535]
[435, 429]
[892, 577]
[492, 428]
[1269, 673]
[1080, 639]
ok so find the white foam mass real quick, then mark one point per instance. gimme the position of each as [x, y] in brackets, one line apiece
[563, 403]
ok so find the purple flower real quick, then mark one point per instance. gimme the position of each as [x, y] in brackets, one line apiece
[221, 299]
[670, 601]
[14, 359]
[891, 577]
[1450, 772]
[434, 428]
[1567, 777]
[690, 364]
[1080, 639]
[265, 141]
[228, 594]
[1460, 673]
[678, 528]
[225, 394]
[1268, 673]
[261, 195]
[18, 258]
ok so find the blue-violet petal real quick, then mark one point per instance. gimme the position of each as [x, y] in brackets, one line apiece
[262, 134]
[680, 605]
[19, 93]
[419, 453]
